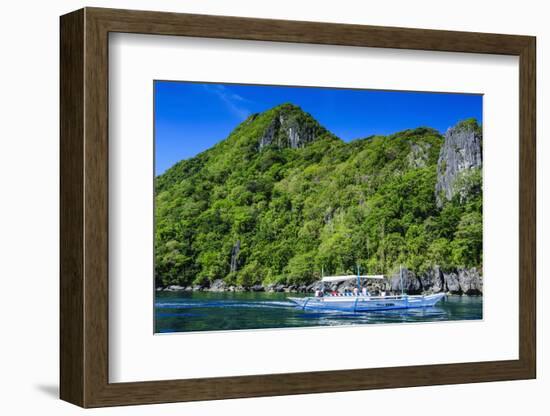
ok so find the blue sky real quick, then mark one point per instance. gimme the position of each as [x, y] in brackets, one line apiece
[192, 117]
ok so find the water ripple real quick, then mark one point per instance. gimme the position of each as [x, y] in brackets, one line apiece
[208, 311]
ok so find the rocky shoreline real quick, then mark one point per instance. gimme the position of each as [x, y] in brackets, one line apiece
[456, 282]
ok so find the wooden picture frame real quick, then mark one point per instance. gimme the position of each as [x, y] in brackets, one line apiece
[84, 207]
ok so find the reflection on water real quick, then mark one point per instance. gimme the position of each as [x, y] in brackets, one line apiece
[210, 311]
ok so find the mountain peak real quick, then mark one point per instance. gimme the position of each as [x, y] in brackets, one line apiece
[468, 125]
[286, 107]
[290, 127]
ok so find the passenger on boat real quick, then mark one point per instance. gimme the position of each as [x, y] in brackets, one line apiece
[364, 291]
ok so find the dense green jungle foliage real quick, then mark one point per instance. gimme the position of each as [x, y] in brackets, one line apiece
[282, 213]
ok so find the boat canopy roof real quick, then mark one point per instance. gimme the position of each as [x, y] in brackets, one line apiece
[351, 276]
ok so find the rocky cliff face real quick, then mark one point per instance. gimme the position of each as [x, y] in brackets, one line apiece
[455, 282]
[290, 127]
[419, 155]
[235, 256]
[458, 282]
[460, 154]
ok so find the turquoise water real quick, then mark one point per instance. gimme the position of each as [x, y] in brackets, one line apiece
[211, 311]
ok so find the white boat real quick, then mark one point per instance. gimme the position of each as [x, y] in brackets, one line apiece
[364, 302]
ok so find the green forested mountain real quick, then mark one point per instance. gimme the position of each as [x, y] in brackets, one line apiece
[282, 197]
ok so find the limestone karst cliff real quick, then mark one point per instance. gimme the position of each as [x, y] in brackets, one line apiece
[290, 127]
[460, 158]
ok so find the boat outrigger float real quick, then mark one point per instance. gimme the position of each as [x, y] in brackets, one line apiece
[364, 302]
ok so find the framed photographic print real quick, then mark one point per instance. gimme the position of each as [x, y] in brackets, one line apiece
[243, 199]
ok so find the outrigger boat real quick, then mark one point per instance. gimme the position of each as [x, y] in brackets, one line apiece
[363, 302]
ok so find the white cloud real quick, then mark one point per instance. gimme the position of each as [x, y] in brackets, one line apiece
[234, 102]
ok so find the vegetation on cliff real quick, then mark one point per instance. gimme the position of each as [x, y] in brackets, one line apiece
[282, 197]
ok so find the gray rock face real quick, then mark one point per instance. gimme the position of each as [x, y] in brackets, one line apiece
[218, 285]
[270, 133]
[452, 283]
[174, 288]
[275, 287]
[290, 128]
[438, 282]
[458, 282]
[461, 152]
[235, 256]
[471, 282]
[418, 156]
[279, 288]
[433, 280]
[412, 284]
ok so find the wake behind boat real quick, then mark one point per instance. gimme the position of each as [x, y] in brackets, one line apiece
[363, 302]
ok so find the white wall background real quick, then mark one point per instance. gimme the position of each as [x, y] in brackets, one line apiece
[29, 207]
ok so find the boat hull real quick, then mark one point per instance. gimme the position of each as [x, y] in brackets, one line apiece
[367, 303]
